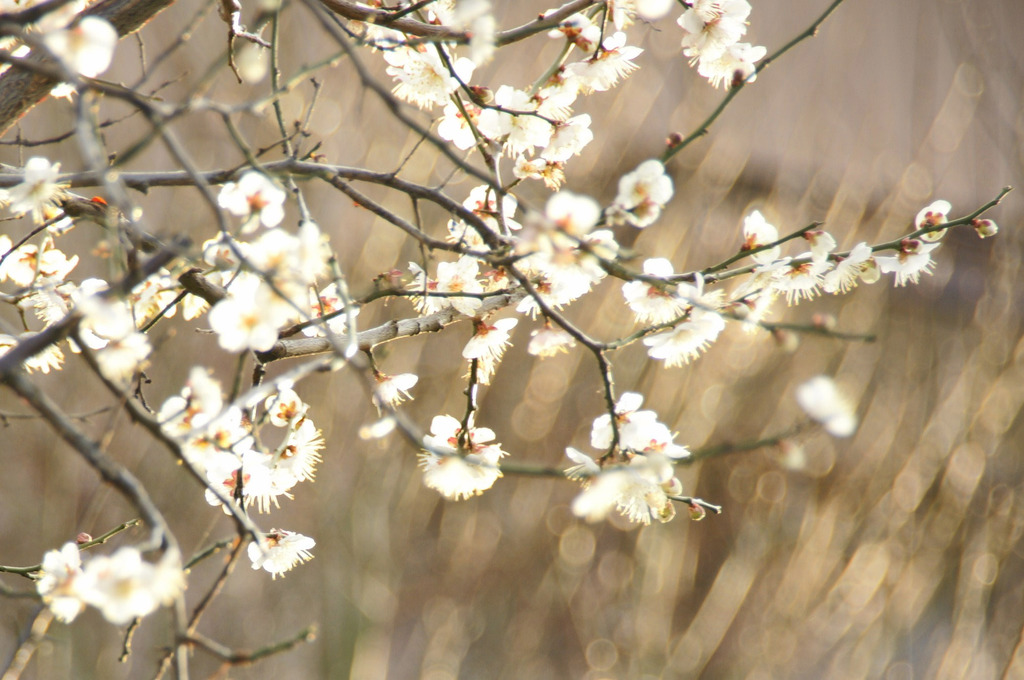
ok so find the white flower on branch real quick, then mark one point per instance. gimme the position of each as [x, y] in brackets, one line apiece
[460, 276]
[859, 265]
[58, 582]
[299, 453]
[652, 303]
[280, 551]
[932, 216]
[551, 173]
[86, 47]
[651, 10]
[638, 490]
[326, 303]
[459, 472]
[914, 259]
[685, 341]
[580, 31]
[248, 318]
[711, 26]
[642, 194]
[732, 66]
[610, 64]
[822, 243]
[483, 202]
[423, 78]
[456, 128]
[569, 139]
[50, 359]
[985, 228]
[199, 402]
[639, 431]
[38, 191]
[123, 586]
[256, 198]
[799, 279]
[30, 263]
[488, 345]
[394, 389]
[549, 340]
[515, 121]
[121, 351]
[758, 232]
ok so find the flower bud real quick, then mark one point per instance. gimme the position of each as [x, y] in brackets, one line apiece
[985, 228]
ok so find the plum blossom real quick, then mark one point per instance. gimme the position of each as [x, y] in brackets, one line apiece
[483, 202]
[639, 490]
[733, 65]
[711, 26]
[575, 214]
[914, 259]
[684, 342]
[551, 173]
[639, 431]
[248, 318]
[642, 194]
[328, 303]
[285, 407]
[456, 128]
[280, 551]
[822, 400]
[58, 582]
[932, 216]
[857, 266]
[256, 198]
[452, 277]
[124, 587]
[38, 191]
[515, 121]
[488, 345]
[652, 303]
[611, 63]
[394, 389]
[758, 232]
[568, 140]
[423, 78]
[822, 243]
[198, 403]
[580, 31]
[86, 47]
[49, 359]
[27, 262]
[452, 473]
[120, 350]
[799, 278]
[549, 340]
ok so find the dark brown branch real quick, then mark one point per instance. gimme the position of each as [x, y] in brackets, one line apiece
[21, 90]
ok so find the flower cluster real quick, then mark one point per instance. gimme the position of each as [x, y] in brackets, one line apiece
[712, 31]
[122, 586]
[220, 441]
[636, 476]
[459, 465]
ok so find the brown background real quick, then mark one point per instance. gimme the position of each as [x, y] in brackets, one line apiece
[894, 554]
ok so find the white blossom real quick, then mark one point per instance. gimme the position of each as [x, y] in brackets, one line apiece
[86, 47]
[280, 551]
[822, 400]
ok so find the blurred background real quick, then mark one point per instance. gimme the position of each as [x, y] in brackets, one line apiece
[893, 554]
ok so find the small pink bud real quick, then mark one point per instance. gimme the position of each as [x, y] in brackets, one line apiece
[824, 321]
[82, 538]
